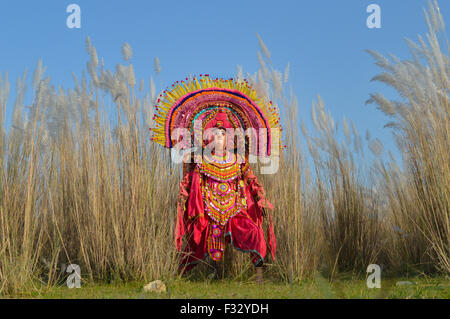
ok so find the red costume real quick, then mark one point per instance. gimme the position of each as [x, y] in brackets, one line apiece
[220, 199]
[222, 203]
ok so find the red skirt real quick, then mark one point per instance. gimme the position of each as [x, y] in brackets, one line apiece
[243, 231]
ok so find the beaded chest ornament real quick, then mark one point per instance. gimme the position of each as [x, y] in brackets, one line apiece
[223, 197]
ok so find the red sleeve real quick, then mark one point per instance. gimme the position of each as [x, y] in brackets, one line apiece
[180, 227]
[256, 189]
[190, 217]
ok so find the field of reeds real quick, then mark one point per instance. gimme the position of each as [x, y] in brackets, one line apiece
[81, 182]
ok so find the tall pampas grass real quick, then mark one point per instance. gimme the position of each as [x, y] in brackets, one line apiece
[420, 199]
[79, 188]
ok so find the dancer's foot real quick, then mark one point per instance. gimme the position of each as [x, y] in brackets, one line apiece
[259, 275]
[219, 269]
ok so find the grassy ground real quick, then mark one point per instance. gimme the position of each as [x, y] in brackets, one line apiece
[319, 288]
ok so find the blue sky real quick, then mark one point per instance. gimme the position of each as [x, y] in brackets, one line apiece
[323, 40]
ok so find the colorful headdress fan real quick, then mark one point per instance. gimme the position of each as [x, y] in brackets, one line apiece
[200, 99]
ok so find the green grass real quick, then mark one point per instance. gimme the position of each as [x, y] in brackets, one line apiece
[438, 287]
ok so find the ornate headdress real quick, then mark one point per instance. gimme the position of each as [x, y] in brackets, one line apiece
[202, 102]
